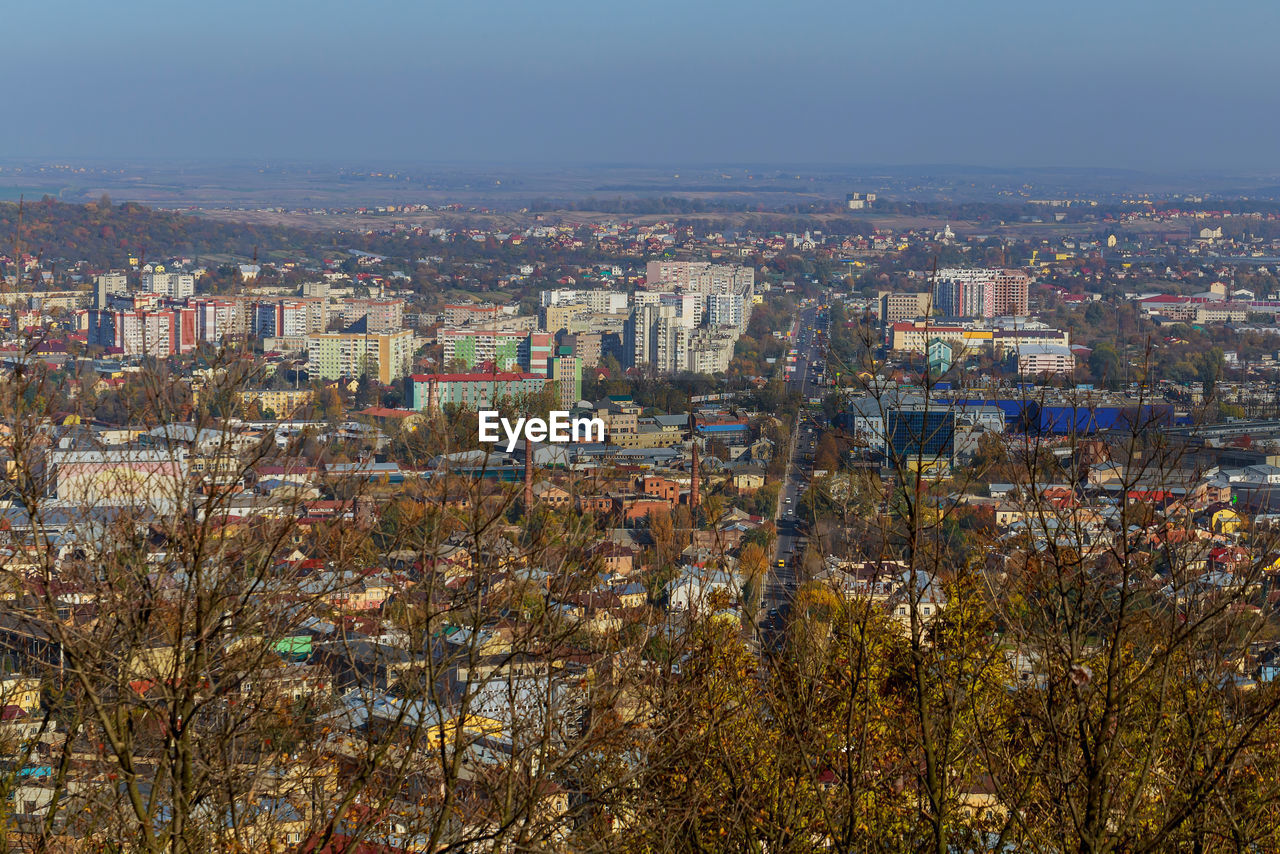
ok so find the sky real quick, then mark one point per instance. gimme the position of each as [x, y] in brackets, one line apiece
[1160, 85]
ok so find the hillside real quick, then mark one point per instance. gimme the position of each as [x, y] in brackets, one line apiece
[106, 235]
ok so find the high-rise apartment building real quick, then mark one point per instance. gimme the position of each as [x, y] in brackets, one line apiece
[497, 349]
[587, 346]
[700, 276]
[469, 314]
[981, 293]
[554, 318]
[687, 306]
[216, 320]
[727, 310]
[381, 315]
[172, 285]
[431, 392]
[895, 307]
[595, 301]
[108, 285]
[159, 332]
[384, 356]
[279, 319]
[710, 350]
[656, 338]
[536, 351]
[566, 372]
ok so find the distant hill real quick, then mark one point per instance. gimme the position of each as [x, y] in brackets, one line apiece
[106, 235]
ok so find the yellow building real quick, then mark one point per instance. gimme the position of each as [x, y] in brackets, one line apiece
[1227, 521]
[646, 439]
[283, 402]
[384, 356]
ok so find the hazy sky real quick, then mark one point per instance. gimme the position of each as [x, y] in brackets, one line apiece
[1165, 84]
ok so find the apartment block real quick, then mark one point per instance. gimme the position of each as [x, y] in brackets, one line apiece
[380, 315]
[710, 350]
[469, 314]
[566, 373]
[108, 285]
[587, 346]
[896, 307]
[431, 392]
[172, 285]
[160, 332]
[981, 293]
[279, 319]
[700, 276]
[727, 310]
[657, 339]
[283, 402]
[217, 320]
[385, 356]
[1036, 358]
[554, 318]
[590, 300]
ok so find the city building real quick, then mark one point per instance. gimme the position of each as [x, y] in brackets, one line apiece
[700, 276]
[995, 338]
[217, 320]
[720, 427]
[897, 307]
[279, 319]
[727, 310]
[536, 350]
[594, 301]
[283, 403]
[431, 392]
[981, 293]
[379, 315]
[160, 332]
[469, 314]
[108, 285]
[859, 201]
[939, 356]
[687, 307]
[587, 346]
[920, 438]
[1035, 358]
[151, 478]
[383, 356]
[172, 285]
[498, 349]
[709, 351]
[655, 338]
[566, 372]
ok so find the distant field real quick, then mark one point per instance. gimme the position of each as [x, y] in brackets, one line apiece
[504, 221]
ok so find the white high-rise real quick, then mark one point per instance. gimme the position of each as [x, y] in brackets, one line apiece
[172, 285]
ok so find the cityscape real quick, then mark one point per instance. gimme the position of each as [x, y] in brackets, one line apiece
[527, 474]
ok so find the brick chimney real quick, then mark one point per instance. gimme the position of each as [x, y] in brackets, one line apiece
[693, 469]
[693, 480]
[528, 476]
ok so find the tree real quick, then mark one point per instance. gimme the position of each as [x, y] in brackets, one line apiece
[827, 456]
[1104, 364]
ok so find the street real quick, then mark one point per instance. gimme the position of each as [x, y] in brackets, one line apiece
[803, 379]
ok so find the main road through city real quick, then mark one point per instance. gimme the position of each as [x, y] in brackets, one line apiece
[803, 380]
